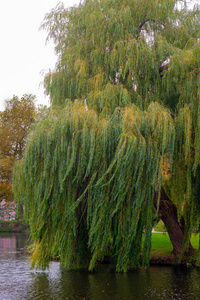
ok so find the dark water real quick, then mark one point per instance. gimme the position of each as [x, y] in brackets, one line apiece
[18, 282]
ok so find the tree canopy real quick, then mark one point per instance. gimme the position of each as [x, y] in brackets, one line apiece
[124, 125]
[15, 122]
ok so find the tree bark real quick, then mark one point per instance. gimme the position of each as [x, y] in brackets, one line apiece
[168, 213]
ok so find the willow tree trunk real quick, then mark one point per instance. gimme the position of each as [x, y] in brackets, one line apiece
[176, 230]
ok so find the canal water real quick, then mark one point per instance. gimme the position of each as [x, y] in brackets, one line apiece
[19, 282]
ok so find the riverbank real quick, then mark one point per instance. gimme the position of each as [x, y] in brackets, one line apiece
[161, 251]
[13, 226]
[172, 260]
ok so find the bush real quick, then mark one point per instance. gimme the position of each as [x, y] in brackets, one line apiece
[160, 226]
[12, 226]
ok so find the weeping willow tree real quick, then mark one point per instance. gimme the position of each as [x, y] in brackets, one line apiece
[121, 142]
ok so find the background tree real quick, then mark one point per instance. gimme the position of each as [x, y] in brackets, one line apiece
[94, 173]
[15, 122]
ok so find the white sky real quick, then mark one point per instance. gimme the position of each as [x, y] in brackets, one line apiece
[24, 54]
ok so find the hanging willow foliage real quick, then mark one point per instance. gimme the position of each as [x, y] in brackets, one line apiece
[76, 168]
[127, 89]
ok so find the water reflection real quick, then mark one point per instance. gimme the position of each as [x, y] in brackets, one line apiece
[7, 242]
[173, 283]
[18, 282]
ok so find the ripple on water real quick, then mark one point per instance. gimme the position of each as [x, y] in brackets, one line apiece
[18, 282]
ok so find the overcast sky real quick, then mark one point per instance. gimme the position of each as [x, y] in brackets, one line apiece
[24, 56]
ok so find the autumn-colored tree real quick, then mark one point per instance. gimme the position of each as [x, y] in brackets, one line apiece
[15, 122]
[126, 144]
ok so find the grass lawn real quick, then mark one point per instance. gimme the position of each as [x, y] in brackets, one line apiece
[161, 243]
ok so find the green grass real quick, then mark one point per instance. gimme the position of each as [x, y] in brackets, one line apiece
[195, 241]
[161, 243]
